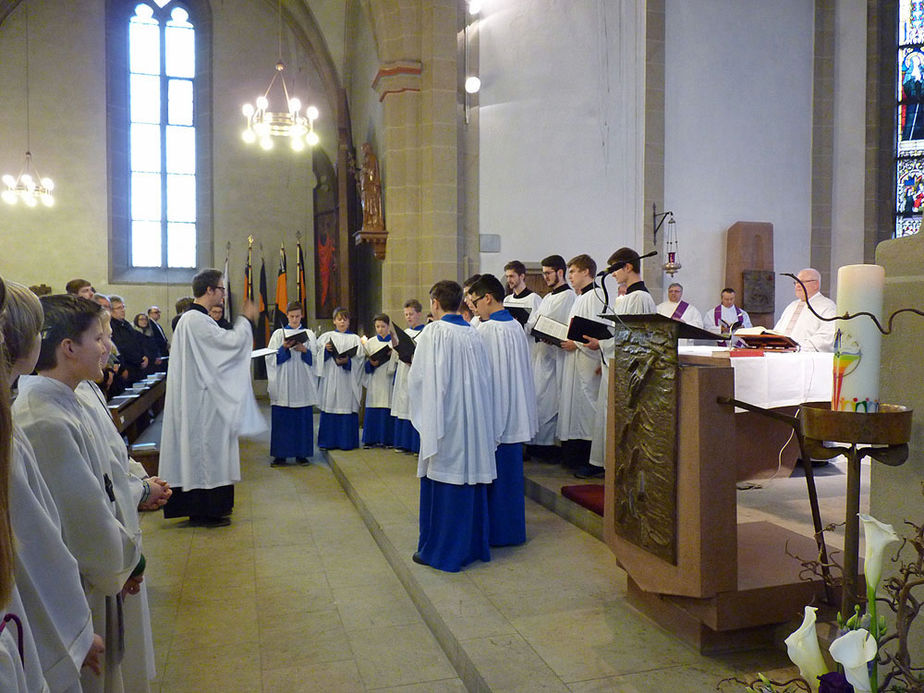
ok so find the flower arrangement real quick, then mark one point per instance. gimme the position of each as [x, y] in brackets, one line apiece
[860, 651]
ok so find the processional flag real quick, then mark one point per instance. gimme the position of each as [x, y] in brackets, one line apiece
[226, 301]
[302, 293]
[282, 291]
[261, 329]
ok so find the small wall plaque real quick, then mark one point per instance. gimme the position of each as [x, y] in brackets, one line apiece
[757, 293]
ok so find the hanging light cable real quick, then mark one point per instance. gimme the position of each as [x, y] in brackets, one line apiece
[28, 187]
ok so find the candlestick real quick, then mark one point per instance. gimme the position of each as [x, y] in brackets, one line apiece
[857, 343]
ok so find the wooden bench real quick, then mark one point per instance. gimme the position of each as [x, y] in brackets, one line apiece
[133, 417]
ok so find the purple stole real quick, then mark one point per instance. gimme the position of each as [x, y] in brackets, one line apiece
[718, 315]
[681, 309]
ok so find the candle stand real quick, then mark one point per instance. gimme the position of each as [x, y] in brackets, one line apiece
[884, 436]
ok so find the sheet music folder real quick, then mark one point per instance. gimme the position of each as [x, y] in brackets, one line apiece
[592, 328]
[406, 346]
[685, 331]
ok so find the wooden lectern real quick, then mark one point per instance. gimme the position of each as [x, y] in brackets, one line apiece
[670, 509]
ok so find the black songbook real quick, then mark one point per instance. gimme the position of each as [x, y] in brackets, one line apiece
[349, 353]
[581, 326]
[406, 347]
[521, 315]
[298, 336]
[549, 331]
[377, 351]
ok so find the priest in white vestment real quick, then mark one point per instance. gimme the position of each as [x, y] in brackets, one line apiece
[548, 359]
[798, 322]
[406, 436]
[379, 380]
[580, 380]
[209, 404]
[676, 308]
[514, 399]
[726, 317]
[73, 459]
[292, 385]
[636, 301]
[340, 367]
[453, 410]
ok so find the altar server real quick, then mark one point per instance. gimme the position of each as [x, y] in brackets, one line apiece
[580, 382]
[73, 461]
[520, 296]
[134, 490]
[406, 436]
[379, 379]
[292, 384]
[678, 309]
[453, 409]
[548, 359]
[340, 367]
[209, 404]
[636, 301]
[514, 399]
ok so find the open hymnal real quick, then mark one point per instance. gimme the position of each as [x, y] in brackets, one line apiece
[406, 345]
[550, 331]
[298, 335]
[340, 341]
[582, 326]
[761, 337]
[377, 350]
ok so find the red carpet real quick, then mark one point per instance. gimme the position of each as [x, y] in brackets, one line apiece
[589, 496]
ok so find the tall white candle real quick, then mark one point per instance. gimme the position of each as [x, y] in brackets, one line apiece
[858, 343]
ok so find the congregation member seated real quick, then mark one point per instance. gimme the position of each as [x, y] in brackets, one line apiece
[726, 317]
[143, 326]
[181, 306]
[132, 354]
[799, 323]
[163, 347]
[79, 287]
[218, 315]
[678, 309]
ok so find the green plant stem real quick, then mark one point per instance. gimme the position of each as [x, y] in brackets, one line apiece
[874, 631]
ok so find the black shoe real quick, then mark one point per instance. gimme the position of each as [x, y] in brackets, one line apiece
[278, 462]
[590, 471]
[203, 521]
[302, 460]
[417, 559]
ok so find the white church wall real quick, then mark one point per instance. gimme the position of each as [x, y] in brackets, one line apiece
[738, 124]
[560, 134]
[264, 194]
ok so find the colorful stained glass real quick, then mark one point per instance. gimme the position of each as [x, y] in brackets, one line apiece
[907, 226]
[910, 22]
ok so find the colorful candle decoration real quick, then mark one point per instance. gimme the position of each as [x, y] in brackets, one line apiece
[858, 342]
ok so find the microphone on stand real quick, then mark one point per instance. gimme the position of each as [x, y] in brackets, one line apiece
[619, 264]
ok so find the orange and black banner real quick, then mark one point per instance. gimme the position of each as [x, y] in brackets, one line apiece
[302, 292]
[282, 291]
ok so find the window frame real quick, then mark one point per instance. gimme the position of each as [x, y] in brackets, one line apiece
[897, 103]
[121, 271]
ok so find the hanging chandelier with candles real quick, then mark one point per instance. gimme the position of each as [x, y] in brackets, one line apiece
[264, 124]
[28, 187]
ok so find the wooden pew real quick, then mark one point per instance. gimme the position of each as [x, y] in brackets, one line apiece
[133, 415]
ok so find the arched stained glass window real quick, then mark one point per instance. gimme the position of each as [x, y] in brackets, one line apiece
[158, 123]
[909, 164]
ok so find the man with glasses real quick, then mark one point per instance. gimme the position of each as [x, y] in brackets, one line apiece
[548, 358]
[209, 404]
[160, 338]
[799, 323]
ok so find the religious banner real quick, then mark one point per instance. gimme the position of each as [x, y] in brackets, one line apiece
[282, 291]
[300, 278]
[261, 330]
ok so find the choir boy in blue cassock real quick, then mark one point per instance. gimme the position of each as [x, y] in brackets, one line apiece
[292, 384]
[514, 397]
[453, 410]
[379, 377]
[406, 436]
[341, 371]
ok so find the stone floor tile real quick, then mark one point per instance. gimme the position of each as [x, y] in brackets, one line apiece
[342, 677]
[375, 605]
[508, 663]
[302, 639]
[398, 655]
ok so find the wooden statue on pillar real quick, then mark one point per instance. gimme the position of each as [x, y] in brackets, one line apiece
[370, 193]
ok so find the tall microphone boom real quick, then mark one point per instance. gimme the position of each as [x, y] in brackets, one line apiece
[622, 263]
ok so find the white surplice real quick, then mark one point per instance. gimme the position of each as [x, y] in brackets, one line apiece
[728, 315]
[73, 458]
[20, 672]
[292, 383]
[528, 302]
[512, 389]
[632, 303]
[548, 364]
[811, 333]
[400, 399]
[580, 382]
[380, 383]
[209, 403]
[138, 663]
[47, 575]
[340, 389]
[452, 407]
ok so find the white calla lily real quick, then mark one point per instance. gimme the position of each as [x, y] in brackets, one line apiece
[877, 536]
[854, 650]
[802, 648]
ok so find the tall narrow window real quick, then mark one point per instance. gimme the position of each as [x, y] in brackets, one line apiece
[162, 64]
[158, 65]
[909, 163]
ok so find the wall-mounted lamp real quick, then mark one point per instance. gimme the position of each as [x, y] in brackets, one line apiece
[672, 266]
[472, 84]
